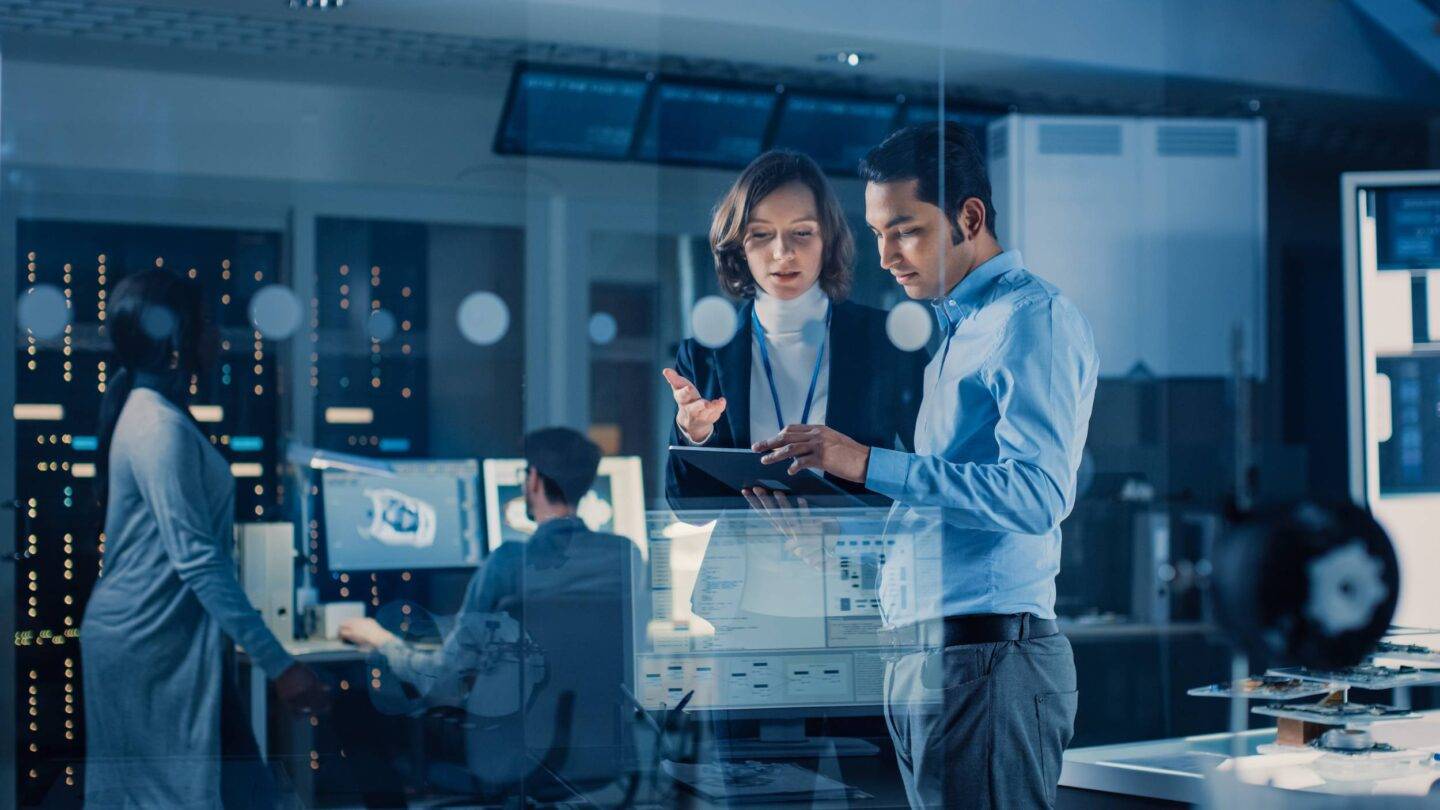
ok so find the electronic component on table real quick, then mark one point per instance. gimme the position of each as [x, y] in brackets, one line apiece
[1401, 630]
[323, 620]
[1334, 713]
[1352, 755]
[1368, 676]
[1265, 687]
[1407, 652]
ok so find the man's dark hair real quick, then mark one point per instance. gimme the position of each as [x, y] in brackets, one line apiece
[566, 462]
[914, 153]
[553, 493]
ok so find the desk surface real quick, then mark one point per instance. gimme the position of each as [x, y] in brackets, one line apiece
[876, 777]
[317, 651]
[321, 650]
[1176, 769]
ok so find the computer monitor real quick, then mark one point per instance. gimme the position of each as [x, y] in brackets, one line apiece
[615, 504]
[426, 515]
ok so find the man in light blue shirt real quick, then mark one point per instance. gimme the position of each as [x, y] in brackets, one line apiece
[982, 718]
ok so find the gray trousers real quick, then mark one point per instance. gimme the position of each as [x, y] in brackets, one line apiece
[982, 725]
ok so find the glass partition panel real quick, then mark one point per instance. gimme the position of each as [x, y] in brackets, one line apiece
[387, 383]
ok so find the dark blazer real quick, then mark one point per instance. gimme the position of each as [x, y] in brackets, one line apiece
[875, 391]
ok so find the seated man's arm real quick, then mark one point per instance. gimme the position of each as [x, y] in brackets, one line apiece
[436, 672]
[1042, 377]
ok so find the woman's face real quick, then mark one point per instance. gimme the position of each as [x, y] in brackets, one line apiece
[783, 243]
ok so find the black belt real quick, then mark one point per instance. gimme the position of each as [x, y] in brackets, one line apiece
[989, 628]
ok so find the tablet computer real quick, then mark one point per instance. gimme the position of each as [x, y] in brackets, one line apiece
[739, 468]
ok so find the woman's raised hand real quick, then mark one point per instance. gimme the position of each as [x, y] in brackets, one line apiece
[695, 415]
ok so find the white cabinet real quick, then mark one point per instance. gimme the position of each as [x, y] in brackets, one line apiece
[1154, 227]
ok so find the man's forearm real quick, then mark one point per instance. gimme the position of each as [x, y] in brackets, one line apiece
[1009, 495]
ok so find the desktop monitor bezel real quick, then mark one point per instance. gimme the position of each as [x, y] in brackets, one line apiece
[627, 480]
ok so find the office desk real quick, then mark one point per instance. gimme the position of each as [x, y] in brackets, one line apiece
[309, 652]
[1175, 770]
[294, 740]
[875, 775]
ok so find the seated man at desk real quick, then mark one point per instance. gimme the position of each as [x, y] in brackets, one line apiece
[562, 558]
[559, 598]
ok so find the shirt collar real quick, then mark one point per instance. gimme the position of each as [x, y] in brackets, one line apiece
[549, 545]
[968, 295]
[556, 526]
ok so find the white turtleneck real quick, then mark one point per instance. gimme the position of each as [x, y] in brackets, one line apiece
[794, 333]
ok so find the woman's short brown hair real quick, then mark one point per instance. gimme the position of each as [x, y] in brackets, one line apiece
[762, 177]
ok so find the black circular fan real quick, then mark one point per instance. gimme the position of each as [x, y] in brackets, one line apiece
[1310, 584]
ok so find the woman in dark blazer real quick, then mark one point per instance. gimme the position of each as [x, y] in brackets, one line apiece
[802, 353]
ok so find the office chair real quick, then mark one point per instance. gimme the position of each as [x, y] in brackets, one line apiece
[548, 752]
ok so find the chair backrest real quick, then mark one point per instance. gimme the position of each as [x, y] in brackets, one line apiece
[582, 632]
[584, 644]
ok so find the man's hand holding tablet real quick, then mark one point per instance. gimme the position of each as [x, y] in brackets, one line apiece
[819, 448]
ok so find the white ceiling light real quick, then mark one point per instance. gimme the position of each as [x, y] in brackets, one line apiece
[845, 57]
[316, 3]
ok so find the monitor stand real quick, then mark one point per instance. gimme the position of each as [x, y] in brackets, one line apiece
[779, 739]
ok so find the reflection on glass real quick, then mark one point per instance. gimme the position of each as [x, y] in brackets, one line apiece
[484, 318]
[744, 614]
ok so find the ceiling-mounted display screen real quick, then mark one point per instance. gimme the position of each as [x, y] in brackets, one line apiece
[706, 125]
[563, 113]
[601, 114]
[928, 112]
[836, 132]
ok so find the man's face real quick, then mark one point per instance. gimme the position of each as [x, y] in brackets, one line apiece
[533, 490]
[915, 240]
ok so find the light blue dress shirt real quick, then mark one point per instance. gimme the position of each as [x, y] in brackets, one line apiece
[998, 441]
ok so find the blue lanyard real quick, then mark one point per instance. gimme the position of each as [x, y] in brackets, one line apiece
[770, 375]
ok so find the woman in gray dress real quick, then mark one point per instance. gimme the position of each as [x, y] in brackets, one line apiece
[154, 636]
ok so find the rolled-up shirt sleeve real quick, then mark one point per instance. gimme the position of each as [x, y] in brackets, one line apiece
[1041, 377]
[438, 674]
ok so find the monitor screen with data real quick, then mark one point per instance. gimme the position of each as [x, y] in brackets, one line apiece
[427, 515]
